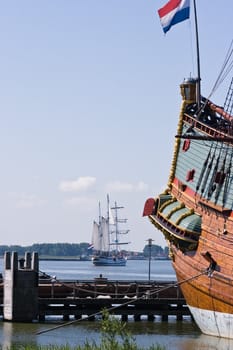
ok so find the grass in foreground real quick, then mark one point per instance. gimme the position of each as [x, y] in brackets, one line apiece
[114, 336]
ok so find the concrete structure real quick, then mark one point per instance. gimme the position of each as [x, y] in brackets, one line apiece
[20, 294]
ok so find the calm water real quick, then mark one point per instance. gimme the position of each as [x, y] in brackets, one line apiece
[135, 270]
[172, 334]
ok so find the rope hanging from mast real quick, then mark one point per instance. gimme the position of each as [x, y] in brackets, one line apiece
[225, 70]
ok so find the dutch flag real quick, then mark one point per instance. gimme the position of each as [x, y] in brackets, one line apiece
[173, 12]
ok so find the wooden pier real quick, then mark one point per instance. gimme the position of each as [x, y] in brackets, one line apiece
[86, 299]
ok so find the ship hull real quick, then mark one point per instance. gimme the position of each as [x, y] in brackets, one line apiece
[204, 273]
[214, 323]
[208, 293]
[109, 261]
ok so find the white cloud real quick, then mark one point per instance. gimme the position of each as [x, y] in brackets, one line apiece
[80, 184]
[118, 186]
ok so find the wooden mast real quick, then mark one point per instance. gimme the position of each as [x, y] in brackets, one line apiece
[198, 91]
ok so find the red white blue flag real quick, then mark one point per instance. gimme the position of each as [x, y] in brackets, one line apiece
[173, 12]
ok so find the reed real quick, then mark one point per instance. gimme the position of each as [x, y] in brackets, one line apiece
[79, 347]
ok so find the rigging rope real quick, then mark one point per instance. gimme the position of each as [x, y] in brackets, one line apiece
[204, 167]
[208, 170]
[225, 70]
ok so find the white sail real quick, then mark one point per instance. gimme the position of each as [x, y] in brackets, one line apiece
[100, 236]
[104, 235]
[96, 242]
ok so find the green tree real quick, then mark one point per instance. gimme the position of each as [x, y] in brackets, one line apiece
[155, 250]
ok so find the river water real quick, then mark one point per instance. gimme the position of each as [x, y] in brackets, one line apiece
[174, 335]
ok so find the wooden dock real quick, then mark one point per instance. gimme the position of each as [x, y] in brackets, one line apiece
[86, 299]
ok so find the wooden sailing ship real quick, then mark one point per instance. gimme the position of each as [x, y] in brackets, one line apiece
[195, 211]
[106, 241]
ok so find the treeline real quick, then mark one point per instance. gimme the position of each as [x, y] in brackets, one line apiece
[155, 251]
[76, 250]
[50, 249]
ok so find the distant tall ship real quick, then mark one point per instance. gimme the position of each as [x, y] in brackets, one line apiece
[195, 211]
[106, 241]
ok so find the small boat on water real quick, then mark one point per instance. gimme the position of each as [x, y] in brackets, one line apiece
[195, 211]
[106, 238]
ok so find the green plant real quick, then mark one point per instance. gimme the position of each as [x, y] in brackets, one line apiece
[114, 336]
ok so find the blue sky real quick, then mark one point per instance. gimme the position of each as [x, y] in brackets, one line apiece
[89, 104]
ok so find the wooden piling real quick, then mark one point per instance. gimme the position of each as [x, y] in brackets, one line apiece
[20, 287]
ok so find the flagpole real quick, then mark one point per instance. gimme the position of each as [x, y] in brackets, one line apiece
[198, 59]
